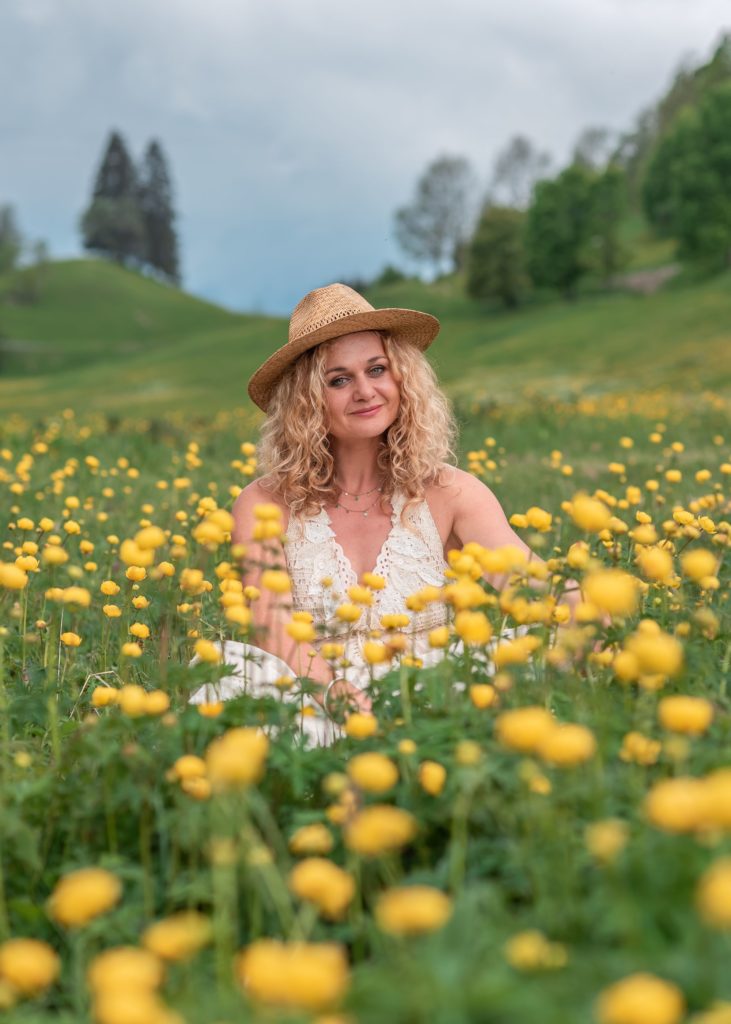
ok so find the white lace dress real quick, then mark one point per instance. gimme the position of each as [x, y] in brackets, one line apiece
[411, 558]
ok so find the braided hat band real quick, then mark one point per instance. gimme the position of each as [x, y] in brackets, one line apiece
[328, 313]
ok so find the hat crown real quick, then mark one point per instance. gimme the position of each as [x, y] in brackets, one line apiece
[325, 306]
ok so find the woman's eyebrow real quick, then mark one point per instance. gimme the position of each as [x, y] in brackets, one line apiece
[344, 369]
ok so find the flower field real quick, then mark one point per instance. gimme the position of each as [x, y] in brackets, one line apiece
[537, 828]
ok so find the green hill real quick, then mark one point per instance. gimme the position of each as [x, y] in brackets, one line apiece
[118, 342]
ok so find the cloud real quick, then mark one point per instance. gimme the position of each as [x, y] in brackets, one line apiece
[295, 130]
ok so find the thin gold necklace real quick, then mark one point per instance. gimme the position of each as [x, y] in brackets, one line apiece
[359, 511]
[352, 494]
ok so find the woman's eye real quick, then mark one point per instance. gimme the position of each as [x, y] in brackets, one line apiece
[336, 382]
[378, 370]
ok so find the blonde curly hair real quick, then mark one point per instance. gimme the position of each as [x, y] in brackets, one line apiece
[294, 450]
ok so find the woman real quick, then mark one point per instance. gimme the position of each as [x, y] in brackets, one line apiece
[354, 453]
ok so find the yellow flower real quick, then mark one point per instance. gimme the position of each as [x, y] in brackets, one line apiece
[713, 895]
[237, 758]
[379, 829]
[296, 976]
[132, 554]
[301, 632]
[567, 745]
[432, 777]
[360, 595]
[467, 753]
[689, 715]
[655, 564]
[372, 772]
[150, 537]
[178, 937]
[311, 839]
[70, 639]
[332, 651]
[189, 766]
[539, 519]
[83, 895]
[136, 573]
[439, 637]
[140, 630]
[112, 611]
[133, 700]
[12, 577]
[656, 652]
[641, 999]
[348, 612]
[524, 729]
[531, 951]
[122, 968]
[606, 839]
[131, 650]
[473, 627]
[208, 651]
[677, 805]
[210, 710]
[109, 587]
[640, 749]
[157, 702]
[360, 727]
[323, 883]
[375, 653]
[698, 564]
[266, 510]
[589, 514]
[276, 580]
[54, 555]
[612, 591]
[372, 580]
[482, 695]
[199, 789]
[29, 965]
[412, 910]
[103, 696]
[406, 747]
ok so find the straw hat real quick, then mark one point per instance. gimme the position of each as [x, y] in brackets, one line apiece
[326, 313]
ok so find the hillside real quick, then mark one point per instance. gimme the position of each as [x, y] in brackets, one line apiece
[151, 350]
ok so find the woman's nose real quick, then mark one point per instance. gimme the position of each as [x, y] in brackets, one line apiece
[363, 387]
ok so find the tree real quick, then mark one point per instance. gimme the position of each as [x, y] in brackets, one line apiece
[113, 224]
[436, 224]
[517, 169]
[558, 228]
[607, 255]
[687, 189]
[593, 148]
[11, 240]
[156, 205]
[497, 261]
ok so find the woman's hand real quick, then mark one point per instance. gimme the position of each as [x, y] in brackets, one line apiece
[341, 697]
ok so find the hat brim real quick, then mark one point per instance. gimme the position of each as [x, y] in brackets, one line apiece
[409, 325]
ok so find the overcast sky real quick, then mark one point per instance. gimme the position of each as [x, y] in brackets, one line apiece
[294, 128]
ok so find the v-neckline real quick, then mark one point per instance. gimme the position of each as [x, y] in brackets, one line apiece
[345, 561]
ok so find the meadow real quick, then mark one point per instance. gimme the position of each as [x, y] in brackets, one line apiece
[534, 829]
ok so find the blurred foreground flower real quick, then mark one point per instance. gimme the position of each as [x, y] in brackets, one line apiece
[83, 895]
[29, 965]
[297, 976]
[641, 999]
[412, 910]
[532, 951]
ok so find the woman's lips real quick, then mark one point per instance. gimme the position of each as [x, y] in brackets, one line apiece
[367, 412]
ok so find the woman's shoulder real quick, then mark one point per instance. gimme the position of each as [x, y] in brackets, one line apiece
[451, 482]
[258, 492]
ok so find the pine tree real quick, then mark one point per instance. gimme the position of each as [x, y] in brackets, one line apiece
[156, 205]
[113, 224]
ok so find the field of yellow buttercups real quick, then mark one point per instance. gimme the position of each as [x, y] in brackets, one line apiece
[536, 828]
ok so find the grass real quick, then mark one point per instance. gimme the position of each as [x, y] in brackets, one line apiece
[111, 340]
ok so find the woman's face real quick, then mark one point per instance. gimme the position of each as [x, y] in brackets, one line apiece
[361, 392]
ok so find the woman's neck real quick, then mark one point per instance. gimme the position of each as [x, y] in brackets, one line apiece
[356, 465]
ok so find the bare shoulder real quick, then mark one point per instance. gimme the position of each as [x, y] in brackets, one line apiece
[456, 486]
[255, 493]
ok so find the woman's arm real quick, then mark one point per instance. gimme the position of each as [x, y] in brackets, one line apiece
[479, 517]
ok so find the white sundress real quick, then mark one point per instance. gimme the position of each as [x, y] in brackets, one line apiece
[411, 558]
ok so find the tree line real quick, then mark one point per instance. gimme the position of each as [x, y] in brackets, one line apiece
[535, 230]
[130, 218]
